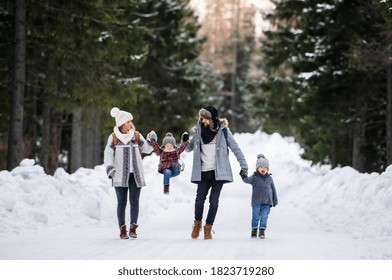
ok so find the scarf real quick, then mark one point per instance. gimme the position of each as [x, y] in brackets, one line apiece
[168, 151]
[124, 138]
[207, 134]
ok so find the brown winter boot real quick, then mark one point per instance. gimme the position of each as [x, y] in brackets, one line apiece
[207, 231]
[123, 232]
[132, 231]
[196, 229]
[166, 189]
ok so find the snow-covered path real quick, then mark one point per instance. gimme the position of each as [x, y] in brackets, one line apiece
[78, 222]
[291, 235]
[165, 234]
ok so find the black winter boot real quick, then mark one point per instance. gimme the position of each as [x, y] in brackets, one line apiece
[261, 233]
[254, 233]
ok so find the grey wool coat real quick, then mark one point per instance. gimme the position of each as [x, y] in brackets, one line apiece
[263, 189]
[223, 170]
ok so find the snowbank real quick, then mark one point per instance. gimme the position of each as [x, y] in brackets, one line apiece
[335, 200]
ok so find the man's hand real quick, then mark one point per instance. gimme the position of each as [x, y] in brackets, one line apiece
[244, 173]
[185, 136]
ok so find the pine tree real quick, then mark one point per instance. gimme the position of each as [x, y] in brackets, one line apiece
[15, 136]
[6, 61]
[386, 8]
[313, 83]
[172, 73]
[79, 55]
[84, 57]
[230, 48]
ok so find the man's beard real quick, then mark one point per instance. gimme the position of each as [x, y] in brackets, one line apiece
[205, 126]
[207, 133]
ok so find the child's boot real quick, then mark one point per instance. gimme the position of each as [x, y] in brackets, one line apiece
[261, 233]
[132, 231]
[166, 189]
[123, 232]
[254, 233]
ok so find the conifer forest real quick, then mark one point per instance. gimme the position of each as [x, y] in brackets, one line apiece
[318, 71]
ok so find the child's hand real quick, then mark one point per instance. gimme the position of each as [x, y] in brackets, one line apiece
[152, 136]
[185, 136]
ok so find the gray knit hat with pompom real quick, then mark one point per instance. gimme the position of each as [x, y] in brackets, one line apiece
[169, 139]
[261, 161]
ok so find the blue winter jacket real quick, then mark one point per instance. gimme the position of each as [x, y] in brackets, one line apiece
[263, 188]
[223, 170]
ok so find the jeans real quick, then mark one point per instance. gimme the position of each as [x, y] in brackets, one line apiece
[134, 195]
[207, 181]
[260, 212]
[170, 173]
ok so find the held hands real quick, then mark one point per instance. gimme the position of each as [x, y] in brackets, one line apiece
[244, 173]
[152, 136]
[185, 136]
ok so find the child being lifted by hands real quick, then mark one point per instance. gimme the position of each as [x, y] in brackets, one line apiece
[169, 155]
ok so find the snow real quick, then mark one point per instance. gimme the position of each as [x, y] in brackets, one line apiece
[323, 213]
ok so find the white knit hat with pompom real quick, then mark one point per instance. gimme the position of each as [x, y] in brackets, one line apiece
[120, 116]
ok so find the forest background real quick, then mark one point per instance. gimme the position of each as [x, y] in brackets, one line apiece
[320, 71]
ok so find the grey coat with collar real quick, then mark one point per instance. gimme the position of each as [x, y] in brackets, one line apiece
[263, 188]
[223, 170]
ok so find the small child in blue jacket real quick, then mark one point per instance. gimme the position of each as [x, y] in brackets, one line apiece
[263, 195]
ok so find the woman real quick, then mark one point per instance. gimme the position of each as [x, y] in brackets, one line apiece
[123, 162]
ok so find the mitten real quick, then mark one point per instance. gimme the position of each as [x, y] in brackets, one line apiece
[152, 136]
[185, 136]
[110, 171]
[244, 173]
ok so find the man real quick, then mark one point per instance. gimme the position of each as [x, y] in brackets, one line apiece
[211, 166]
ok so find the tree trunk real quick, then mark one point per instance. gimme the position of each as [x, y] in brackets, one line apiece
[235, 30]
[98, 158]
[15, 137]
[76, 143]
[334, 154]
[389, 115]
[55, 141]
[88, 148]
[358, 159]
[51, 139]
[44, 158]
[92, 138]
[34, 125]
